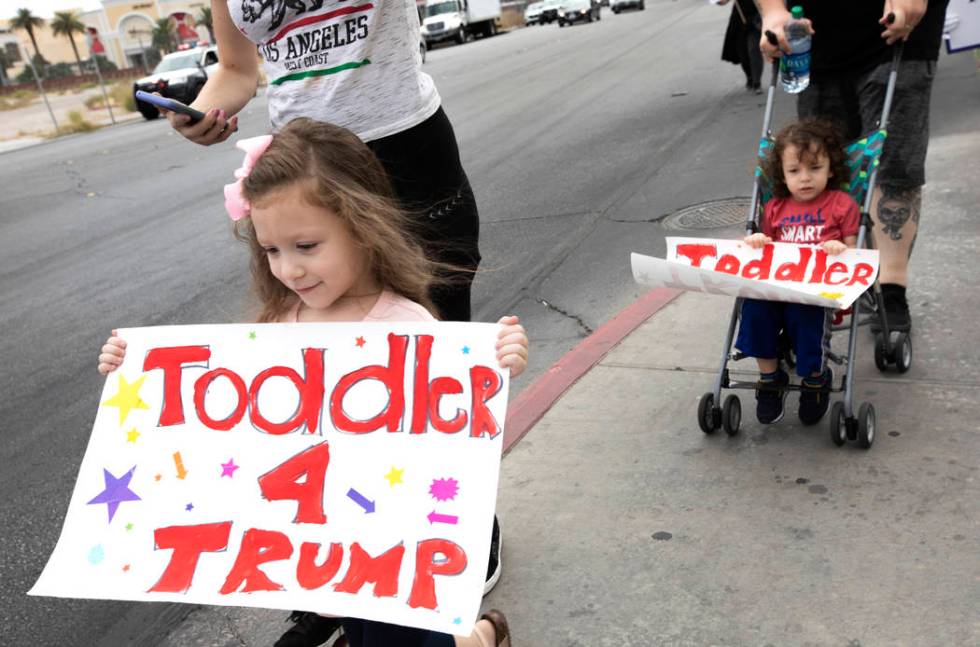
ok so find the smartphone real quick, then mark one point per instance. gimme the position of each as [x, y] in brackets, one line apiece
[170, 104]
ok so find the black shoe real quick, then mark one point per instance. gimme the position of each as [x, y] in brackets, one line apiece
[310, 630]
[769, 397]
[494, 566]
[815, 398]
[896, 309]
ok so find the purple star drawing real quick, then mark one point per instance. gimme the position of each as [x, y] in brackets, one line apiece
[116, 491]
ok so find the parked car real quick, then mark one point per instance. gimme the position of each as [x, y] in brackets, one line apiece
[532, 15]
[573, 11]
[620, 5]
[549, 12]
[179, 76]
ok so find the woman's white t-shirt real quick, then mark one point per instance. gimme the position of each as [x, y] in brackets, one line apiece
[354, 63]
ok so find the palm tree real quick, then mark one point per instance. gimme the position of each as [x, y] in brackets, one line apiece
[66, 23]
[204, 18]
[27, 21]
[163, 35]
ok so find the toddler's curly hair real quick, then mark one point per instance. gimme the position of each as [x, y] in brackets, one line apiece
[811, 137]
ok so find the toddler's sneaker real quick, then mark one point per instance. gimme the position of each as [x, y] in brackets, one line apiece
[769, 396]
[815, 397]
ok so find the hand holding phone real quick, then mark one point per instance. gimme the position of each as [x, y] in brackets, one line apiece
[170, 104]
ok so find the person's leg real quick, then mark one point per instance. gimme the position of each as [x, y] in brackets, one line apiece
[834, 100]
[754, 55]
[897, 198]
[743, 56]
[425, 170]
[428, 177]
[758, 331]
[809, 329]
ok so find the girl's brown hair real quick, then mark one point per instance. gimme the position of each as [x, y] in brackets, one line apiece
[812, 137]
[337, 172]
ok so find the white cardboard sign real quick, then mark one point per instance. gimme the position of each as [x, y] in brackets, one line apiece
[778, 272]
[348, 469]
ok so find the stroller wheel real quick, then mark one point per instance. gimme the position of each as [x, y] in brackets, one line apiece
[866, 425]
[881, 355]
[709, 416]
[731, 414]
[902, 351]
[838, 424]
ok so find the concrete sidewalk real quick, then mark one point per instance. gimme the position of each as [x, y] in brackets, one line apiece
[624, 524]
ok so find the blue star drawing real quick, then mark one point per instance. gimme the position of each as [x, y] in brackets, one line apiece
[466, 350]
[116, 491]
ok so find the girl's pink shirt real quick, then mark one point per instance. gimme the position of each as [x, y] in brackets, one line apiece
[389, 307]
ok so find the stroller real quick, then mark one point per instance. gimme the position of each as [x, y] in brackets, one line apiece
[892, 348]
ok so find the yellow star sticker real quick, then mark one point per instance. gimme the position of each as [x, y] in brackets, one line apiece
[127, 398]
[394, 476]
[132, 435]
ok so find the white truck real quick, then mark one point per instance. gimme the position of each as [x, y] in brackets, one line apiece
[459, 19]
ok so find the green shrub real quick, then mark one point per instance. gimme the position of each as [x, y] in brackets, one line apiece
[16, 100]
[77, 123]
[95, 102]
[121, 94]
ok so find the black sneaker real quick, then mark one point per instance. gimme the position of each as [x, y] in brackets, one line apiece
[769, 397]
[896, 309]
[815, 398]
[494, 566]
[309, 630]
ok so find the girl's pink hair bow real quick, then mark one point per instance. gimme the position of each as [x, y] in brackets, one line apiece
[235, 203]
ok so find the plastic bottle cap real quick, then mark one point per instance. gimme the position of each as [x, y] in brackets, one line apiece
[797, 12]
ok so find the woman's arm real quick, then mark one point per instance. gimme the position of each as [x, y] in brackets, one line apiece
[228, 89]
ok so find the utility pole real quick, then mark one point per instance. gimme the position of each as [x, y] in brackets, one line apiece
[98, 73]
[40, 88]
[138, 33]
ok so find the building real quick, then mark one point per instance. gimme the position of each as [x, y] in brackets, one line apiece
[121, 31]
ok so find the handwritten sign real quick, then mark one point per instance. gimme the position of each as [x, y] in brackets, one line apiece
[778, 272]
[963, 25]
[348, 469]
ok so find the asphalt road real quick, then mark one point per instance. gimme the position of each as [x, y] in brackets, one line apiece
[576, 140]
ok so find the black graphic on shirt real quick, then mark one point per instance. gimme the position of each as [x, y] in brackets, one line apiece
[253, 10]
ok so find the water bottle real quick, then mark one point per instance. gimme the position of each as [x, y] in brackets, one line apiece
[794, 68]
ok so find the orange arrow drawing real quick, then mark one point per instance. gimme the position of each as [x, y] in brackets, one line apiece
[181, 472]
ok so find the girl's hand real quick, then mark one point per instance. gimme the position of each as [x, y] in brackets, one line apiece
[512, 345]
[112, 355]
[757, 241]
[833, 247]
[213, 129]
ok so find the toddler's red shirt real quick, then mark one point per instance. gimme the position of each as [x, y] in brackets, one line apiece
[833, 215]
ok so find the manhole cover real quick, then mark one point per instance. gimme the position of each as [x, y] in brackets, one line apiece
[713, 214]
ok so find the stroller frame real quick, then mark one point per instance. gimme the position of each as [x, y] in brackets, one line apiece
[891, 347]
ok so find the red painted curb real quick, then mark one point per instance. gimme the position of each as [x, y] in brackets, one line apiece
[534, 401]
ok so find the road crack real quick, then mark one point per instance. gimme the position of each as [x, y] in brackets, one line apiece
[577, 319]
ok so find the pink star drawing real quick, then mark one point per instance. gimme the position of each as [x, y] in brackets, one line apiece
[444, 489]
[228, 469]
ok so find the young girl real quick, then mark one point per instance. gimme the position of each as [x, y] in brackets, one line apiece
[805, 163]
[329, 243]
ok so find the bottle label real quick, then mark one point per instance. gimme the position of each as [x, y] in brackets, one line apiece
[796, 64]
